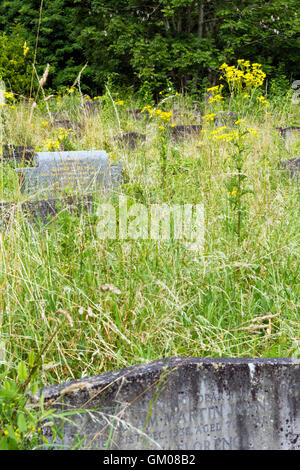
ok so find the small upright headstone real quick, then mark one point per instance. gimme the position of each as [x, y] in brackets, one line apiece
[82, 171]
[132, 139]
[138, 113]
[197, 112]
[182, 131]
[206, 97]
[290, 134]
[225, 118]
[69, 125]
[91, 107]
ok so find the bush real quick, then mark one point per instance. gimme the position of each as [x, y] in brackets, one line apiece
[15, 63]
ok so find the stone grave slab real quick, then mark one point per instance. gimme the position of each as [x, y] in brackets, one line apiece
[184, 404]
[182, 131]
[132, 139]
[79, 171]
[44, 210]
[225, 118]
[19, 154]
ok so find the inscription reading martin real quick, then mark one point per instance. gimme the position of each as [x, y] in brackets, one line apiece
[188, 404]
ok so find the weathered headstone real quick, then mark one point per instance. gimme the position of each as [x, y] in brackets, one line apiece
[19, 154]
[92, 106]
[44, 210]
[185, 404]
[292, 166]
[138, 113]
[197, 112]
[289, 134]
[182, 131]
[132, 139]
[81, 171]
[69, 125]
[225, 118]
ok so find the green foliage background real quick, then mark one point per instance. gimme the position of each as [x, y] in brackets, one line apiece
[153, 42]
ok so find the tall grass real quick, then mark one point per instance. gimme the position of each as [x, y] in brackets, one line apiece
[229, 300]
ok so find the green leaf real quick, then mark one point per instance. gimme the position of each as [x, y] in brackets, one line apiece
[8, 444]
[31, 359]
[22, 371]
[22, 423]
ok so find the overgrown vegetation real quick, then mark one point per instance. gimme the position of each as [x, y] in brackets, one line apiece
[73, 304]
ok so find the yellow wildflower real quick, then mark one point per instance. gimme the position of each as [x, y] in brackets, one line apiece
[209, 117]
[25, 49]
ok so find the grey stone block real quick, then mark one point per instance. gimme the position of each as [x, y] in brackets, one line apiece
[182, 131]
[185, 404]
[80, 171]
[132, 139]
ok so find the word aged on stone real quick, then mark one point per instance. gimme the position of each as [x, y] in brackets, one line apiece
[187, 404]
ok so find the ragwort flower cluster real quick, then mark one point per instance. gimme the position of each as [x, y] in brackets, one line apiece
[244, 77]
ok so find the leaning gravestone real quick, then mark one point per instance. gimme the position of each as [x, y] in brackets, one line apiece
[44, 210]
[81, 171]
[184, 404]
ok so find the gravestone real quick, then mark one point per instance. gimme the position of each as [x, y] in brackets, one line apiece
[197, 112]
[81, 171]
[55, 115]
[137, 113]
[69, 125]
[225, 118]
[132, 139]
[91, 107]
[182, 131]
[292, 166]
[19, 154]
[206, 97]
[44, 210]
[290, 134]
[184, 404]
